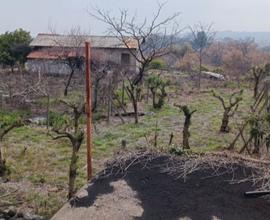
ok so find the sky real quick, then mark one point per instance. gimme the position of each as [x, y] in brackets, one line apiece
[39, 16]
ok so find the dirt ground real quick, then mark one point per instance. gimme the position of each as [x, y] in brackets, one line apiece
[146, 191]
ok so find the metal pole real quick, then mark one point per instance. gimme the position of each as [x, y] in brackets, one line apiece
[88, 109]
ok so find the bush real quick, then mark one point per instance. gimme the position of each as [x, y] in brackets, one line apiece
[157, 64]
[157, 86]
[204, 68]
[7, 118]
[177, 151]
[118, 94]
[218, 70]
[57, 119]
[8, 121]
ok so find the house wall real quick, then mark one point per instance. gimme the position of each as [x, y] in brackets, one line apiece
[103, 54]
[46, 66]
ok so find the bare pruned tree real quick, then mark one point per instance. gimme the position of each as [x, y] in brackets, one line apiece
[229, 109]
[186, 133]
[202, 38]
[70, 51]
[30, 87]
[7, 124]
[101, 68]
[258, 73]
[70, 129]
[153, 39]
[41, 88]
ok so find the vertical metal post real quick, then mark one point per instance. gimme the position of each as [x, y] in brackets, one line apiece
[88, 109]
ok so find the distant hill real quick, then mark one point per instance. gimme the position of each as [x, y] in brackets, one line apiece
[261, 38]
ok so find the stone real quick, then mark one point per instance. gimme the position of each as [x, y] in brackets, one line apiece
[37, 217]
[28, 216]
[19, 215]
[3, 180]
[10, 212]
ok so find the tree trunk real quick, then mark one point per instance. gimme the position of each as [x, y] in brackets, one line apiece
[156, 135]
[200, 72]
[147, 94]
[109, 110]
[95, 102]
[154, 99]
[186, 133]
[72, 172]
[224, 128]
[48, 113]
[133, 97]
[136, 115]
[123, 93]
[2, 163]
[257, 145]
[256, 87]
[68, 83]
[171, 139]
[120, 104]
[238, 80]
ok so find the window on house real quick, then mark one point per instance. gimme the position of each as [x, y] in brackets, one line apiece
[125, 59]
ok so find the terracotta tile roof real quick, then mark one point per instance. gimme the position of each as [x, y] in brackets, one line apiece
[55, 40]
[51, 54]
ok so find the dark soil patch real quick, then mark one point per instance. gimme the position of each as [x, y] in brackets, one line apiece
[202, 196]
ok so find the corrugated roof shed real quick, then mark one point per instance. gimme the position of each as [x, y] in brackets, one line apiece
[55, 40]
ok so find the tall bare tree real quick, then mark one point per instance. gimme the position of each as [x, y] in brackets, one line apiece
[153, 38]
[202, 38]
[215, 53]
[239, 57]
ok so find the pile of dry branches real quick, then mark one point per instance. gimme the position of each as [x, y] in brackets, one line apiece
[254, 171]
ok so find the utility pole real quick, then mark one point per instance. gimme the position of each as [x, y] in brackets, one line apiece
[88, 110]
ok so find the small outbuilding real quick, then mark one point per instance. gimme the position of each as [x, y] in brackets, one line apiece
[49, 51]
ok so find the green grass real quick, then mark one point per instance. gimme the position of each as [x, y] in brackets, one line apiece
[41, 164]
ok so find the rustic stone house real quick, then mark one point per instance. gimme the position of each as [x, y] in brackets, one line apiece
[50, 50]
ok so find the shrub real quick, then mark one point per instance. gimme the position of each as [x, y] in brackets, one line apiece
[204, 68]
[7, 118]
[119, 93]
[157, 87]
[157, 64]
[57, 119]
[177, 151]
[218, 70]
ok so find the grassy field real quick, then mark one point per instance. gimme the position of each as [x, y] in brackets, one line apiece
[39, 165]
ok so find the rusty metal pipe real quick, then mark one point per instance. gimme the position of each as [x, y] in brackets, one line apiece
[88, 110]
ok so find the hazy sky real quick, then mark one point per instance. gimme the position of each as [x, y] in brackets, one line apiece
[37, 15]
